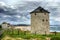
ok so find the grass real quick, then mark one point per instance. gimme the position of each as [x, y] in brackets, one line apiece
[27, 35]
[21, 34]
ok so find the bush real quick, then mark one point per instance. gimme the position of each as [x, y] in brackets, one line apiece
[1, 36]
[55, 38]
[26, 37]
[0, 26]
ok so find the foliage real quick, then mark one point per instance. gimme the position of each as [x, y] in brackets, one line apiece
[55, 38]
[27, 35]
[23, 34]
[0, 26]
[1, 36]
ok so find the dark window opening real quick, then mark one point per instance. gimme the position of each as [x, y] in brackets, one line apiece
[43, 20]
[8, 26]
[44, 13]
[46, 20]
[35, 13]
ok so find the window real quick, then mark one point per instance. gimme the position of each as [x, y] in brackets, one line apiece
[35, 13]
[8, 26]
[43, 20]
[44, 13]
[46, 20]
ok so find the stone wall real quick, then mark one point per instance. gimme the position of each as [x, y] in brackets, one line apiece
[24, 28]
[4, 26]
[40, 23]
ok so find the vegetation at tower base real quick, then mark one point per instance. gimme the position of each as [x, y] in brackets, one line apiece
[0, 27]
[27, 35]
[55, 38]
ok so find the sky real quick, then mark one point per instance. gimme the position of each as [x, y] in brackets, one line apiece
[18, 11]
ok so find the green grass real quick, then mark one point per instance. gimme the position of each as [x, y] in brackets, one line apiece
[27, 35]
[22, 34]
[0, 28]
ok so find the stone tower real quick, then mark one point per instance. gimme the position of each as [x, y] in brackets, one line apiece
[40, 21]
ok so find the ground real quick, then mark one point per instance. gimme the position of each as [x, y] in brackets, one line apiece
[14, 34]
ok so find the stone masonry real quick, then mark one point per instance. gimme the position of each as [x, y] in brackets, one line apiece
[40, 21]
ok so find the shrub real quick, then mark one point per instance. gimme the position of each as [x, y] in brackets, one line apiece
[1, 36]
[0, 26]
[55, 38]
[26, 37]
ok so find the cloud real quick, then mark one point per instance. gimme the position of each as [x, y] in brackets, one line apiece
[18, 11]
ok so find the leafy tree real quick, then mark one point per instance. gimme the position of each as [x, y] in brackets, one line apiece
[0, 26]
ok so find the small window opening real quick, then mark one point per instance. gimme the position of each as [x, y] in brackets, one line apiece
[46, 20]
[43, 20]
[35, 13]
[44, 13]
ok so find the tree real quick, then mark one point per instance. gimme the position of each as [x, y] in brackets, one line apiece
[18, 31]
[0, 26]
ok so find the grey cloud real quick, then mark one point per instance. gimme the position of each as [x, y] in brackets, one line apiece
[28, 6]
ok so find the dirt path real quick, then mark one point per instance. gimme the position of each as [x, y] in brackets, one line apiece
[10, 38]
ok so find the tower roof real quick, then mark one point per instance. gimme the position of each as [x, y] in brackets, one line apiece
[39, 9]
[4, 23]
